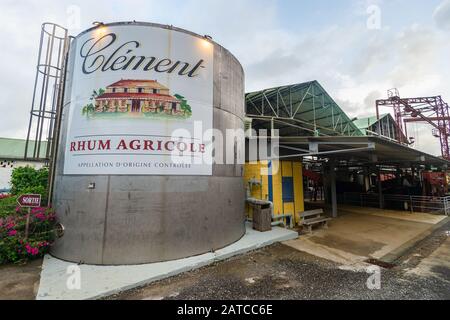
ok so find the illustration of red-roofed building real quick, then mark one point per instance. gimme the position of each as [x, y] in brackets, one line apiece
[137, 96]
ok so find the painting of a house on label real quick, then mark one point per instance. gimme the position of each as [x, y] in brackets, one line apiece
[138, 97]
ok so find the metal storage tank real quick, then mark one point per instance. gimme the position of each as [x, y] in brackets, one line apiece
[128, 86]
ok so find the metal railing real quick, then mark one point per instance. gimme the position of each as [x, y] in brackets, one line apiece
[309, 195]
[433, 205]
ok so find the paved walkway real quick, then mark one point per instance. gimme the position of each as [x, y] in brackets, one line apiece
[394, 214]
[62, 280]
[435, 265]
[367, 233]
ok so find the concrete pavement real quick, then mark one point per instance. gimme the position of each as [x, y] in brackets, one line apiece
[367, 233]
[62, 280]
[435, 265]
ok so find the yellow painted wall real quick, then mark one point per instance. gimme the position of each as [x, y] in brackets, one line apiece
[253, 171]
[276, 187]
[285, 169]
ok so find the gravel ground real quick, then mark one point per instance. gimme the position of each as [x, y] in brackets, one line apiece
[276, 272]
[279, 272]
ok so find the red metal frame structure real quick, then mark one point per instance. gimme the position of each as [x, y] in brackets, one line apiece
[431, 110]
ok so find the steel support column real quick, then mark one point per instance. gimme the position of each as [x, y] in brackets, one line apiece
[334, 208]
[366, 179]
[380, 189]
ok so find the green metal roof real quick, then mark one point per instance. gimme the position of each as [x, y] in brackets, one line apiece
[365, 123]
[15, 149]
[303, 109]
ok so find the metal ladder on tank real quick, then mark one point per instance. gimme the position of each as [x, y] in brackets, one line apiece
[48, 97]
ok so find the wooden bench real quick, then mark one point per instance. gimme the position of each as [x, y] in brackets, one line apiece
[314, 217]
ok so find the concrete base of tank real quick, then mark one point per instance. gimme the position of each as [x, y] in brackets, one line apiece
[143, 220]
[102, 281]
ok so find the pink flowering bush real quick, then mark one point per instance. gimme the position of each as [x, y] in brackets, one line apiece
[15, 246]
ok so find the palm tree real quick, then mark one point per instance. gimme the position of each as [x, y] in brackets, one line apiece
[184, 105]
[90, 108]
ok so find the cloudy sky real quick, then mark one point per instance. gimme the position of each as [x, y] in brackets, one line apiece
[357, 49]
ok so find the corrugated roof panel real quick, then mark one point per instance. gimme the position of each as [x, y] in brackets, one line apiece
[365, 123]
[15, 148]
[306, 104]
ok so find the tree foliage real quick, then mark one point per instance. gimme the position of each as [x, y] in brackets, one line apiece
[26, 180]
[24, 237]
[184, 104]
[90, 108]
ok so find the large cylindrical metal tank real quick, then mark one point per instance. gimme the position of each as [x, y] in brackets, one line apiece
[118, 192]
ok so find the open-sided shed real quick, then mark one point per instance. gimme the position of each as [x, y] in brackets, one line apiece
[312, 125]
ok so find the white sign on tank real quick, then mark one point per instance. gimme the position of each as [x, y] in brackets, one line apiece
[133, 90]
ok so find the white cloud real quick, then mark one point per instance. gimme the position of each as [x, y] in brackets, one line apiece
[442, 15]
[354, 64]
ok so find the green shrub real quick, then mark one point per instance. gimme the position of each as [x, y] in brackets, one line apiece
[15, 244]
[26, 180]
[8, 206]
